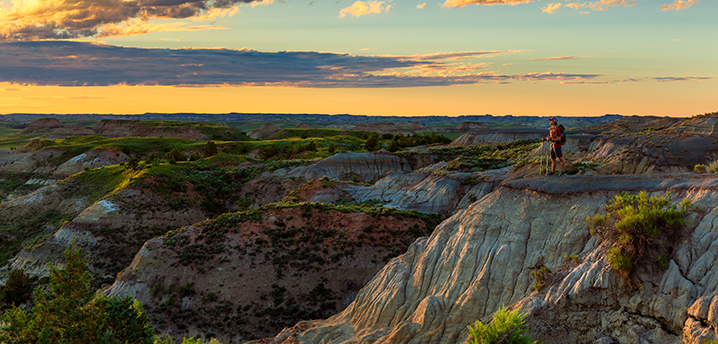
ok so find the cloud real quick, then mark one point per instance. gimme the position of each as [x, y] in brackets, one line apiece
[64, 63]
[462, 3]
[551, 7]
[361, 8]
[679, 5]
[137, 27]
[684, 78]
[587, 82]
[559, 58]
[459, 55]
[66, 19]
[594, 5]
[422, 6]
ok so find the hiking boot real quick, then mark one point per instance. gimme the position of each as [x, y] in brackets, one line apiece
[550, 174]
[562, 174]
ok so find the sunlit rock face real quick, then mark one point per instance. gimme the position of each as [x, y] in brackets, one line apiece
[481, 258]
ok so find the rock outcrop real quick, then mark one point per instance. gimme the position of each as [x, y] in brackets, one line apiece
[136, 128]
[498, 136]
[367, 167]
[481, 258]
[417, 126]
[42, 125]
[265, 131]
[303, 125]
[92, 159]
[427, 190]
[471, 126]
[378, 127]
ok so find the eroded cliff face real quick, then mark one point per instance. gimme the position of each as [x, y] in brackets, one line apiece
[248, 275]
[367, 167]
[481, 258]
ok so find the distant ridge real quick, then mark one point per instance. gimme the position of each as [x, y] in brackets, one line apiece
[489, 120]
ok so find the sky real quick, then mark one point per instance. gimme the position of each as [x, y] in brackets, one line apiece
[391, 57]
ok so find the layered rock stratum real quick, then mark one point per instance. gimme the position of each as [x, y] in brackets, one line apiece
[481, 258]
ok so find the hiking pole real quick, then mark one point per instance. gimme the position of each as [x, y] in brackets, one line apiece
[541, 158]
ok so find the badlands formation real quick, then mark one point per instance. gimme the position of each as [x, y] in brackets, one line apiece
[425, 284]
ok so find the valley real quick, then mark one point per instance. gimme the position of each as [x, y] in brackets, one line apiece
[315, 228]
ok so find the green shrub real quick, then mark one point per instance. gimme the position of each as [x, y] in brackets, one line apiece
[210, 149]
[642, 229]
[18, 288]
[713, 167]
[540, 275]
[507, 327]
[700, 168]
[620, 261]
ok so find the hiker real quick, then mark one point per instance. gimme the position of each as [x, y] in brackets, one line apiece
[555, 139]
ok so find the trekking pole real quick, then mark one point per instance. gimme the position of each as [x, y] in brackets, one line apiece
[541, 158]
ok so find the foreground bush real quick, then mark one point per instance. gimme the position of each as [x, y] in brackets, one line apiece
[641, 229]
[68, 312]
[507, 327]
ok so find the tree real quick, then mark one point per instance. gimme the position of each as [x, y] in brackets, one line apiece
[311, 146]
[332, 148]
[210, 149]
[393, 146]
[67, 313]
[133, 164]
[127, 322]
[175, 155]
[62, 313]
[18, 288]
[372, 143]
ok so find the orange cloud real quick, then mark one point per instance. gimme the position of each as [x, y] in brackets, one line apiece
[421, 6]
[550, 8]
[137, 27]
[679, 5]
[361, 8]
[67, 19]
[601, 5]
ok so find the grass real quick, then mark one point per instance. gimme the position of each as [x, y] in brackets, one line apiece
[8, 131]
[14, 140]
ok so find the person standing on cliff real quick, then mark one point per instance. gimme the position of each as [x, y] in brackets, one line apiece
[554, 136]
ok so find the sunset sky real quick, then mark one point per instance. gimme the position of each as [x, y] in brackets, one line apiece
[392, 57]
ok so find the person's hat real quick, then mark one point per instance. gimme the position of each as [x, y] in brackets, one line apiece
[552, 119]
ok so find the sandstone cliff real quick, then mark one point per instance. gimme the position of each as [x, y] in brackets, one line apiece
[481, 257]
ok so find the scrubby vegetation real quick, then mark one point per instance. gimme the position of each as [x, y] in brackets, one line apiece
[67, 311]
[640, 229]
[293, 240]
[507, 327]
[540, 275]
